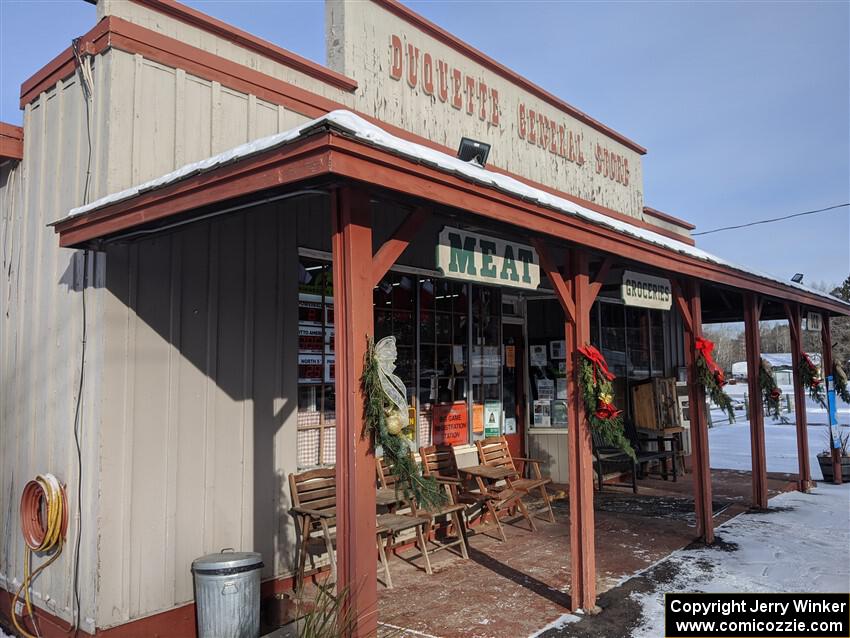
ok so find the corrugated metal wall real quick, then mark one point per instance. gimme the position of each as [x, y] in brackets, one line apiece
[200, 396]
[41, 335]
[145, 119]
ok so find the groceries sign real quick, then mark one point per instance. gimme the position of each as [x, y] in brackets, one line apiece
[489, 260]
[426, 82]
[646, 291]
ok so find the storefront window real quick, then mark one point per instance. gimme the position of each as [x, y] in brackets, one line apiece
[443, 359]
[316, 391]
[486, 364]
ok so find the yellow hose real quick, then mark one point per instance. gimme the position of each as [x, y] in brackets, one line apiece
[44, 522]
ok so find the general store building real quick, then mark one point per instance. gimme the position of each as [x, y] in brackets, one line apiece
[237, 219]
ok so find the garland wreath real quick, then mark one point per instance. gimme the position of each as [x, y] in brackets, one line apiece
[771, 394]
[839, 380]
[595, 379]
[810, 378]
[711, 376]
[385, 411]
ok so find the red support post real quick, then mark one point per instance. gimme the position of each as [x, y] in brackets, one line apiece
[582, 529]
[357, 553]
[804, 483]
[752, 314]
[699, 427]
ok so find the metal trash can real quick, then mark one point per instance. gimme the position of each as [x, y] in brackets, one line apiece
[227, 594]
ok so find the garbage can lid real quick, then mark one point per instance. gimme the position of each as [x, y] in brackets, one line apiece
[227, 559]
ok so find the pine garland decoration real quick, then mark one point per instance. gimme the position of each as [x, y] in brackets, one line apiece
[839, 380]
[603, 417]
[713, 387]
[424, 491]
[771, 394]
[810, 378]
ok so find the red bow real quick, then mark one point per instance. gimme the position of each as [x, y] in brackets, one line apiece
[606, 411]
[775, 394]
[705, 347]
[597, 360]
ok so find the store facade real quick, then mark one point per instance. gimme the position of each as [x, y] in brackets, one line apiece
[251, 217]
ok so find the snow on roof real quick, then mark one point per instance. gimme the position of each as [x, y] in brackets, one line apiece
[775, 359]
[357, 127]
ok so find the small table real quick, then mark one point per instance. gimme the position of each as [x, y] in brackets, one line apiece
[387, 497]
[484, 473]
[675, 437]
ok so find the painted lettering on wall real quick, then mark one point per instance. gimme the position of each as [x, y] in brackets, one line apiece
[468, 94]
[473, 257]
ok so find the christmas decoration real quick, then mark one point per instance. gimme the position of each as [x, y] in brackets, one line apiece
[385, 410]
[595, 379]
[771, 394]
[839, 379]
[712, 378]
[810, 378]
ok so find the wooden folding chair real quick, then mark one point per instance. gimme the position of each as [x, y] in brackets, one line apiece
[494, 451]
[314, 507]
[439, 461]
[452, 511]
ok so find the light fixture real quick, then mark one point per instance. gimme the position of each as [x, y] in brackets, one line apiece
[798, 278]
[472, 151]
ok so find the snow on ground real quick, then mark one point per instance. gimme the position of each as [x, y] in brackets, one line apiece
[799, 547]
[4, 634]
[729, 444]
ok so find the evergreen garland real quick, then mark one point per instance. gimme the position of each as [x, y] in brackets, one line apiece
[839, 380]
[713, 384]
[771, 394]
[423, 491]
[810, 378]
[600, 412]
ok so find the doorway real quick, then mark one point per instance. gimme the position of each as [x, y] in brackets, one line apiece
[513, 387]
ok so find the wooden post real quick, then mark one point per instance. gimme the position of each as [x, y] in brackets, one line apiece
[687, 297]
[804, 483]
[357, 554]
[579, 450]
[826, 341]
[752, 314]
[576, 294]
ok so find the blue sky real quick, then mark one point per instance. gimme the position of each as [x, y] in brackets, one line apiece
[743, 107]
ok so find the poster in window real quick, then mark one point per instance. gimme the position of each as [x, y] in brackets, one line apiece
[561, 388]
[478, 419]
[492, 417]
[510, 357]
[310, 368]
[558, 349]
[510, 425]
[542, 413]
[538, 356]
[450, 424]
[310, 338]
[545, 389]
[559, 414]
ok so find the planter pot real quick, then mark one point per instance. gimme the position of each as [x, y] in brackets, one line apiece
[825, 462]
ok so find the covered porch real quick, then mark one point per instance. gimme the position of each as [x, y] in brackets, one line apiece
[361, 173]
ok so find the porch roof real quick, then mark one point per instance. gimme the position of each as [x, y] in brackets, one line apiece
[85, 224]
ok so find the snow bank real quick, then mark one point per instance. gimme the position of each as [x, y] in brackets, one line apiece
[776, 552]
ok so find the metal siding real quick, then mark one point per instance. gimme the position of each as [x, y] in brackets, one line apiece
[203, 342]
[40, 336]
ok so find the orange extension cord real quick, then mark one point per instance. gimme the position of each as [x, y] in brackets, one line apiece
[44, 523]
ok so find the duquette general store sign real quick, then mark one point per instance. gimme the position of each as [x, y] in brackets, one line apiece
[418, 80]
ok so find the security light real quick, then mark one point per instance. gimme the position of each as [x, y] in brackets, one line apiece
[798, 278]
[472, 151]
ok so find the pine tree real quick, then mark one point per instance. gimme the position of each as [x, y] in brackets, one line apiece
[840, 327]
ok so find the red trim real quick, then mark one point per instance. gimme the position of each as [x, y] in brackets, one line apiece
[11, 141]
[461, 47]
[328, 154]
[132, 38]
[244, 39]
[652, 212]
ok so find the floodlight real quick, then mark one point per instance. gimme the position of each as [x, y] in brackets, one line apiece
[472, 151]
[798, 278]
